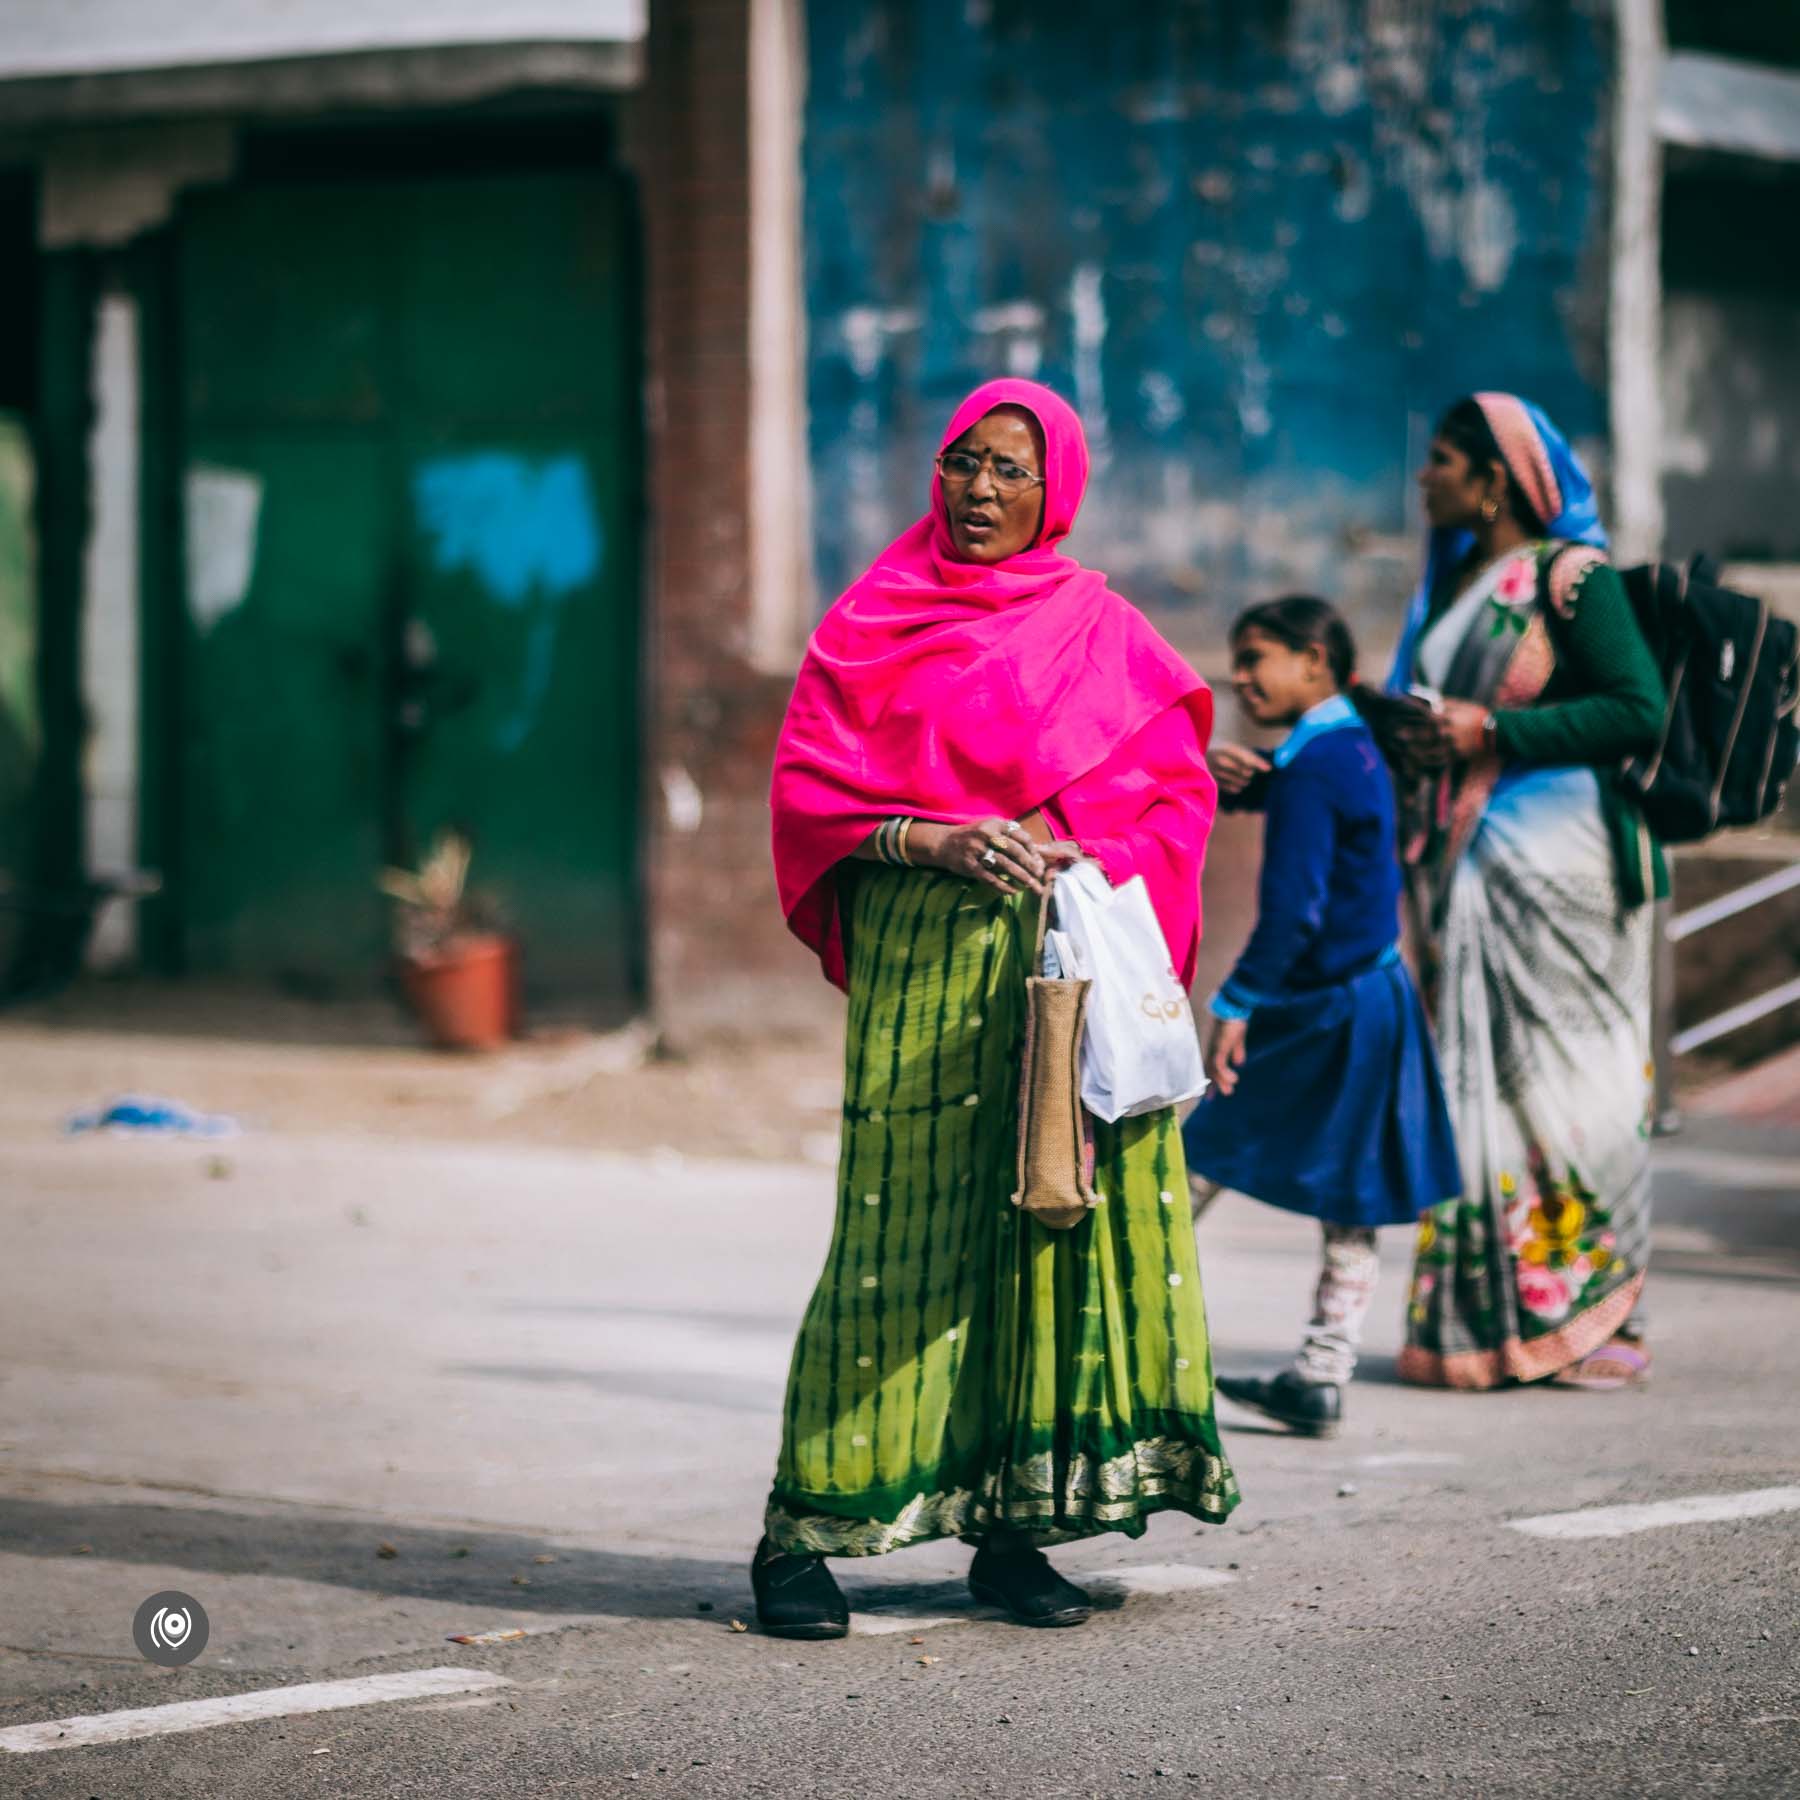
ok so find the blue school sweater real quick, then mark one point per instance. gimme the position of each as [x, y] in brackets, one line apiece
[1329, 899]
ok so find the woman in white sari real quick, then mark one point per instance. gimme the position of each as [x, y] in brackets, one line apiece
[1531, 885]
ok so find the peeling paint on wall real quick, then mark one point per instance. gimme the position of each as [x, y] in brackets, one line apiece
[1254, 244]
[224, 511]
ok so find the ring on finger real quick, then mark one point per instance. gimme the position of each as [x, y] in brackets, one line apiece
[991, 858]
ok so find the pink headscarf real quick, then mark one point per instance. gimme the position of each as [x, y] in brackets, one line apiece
[953, 690]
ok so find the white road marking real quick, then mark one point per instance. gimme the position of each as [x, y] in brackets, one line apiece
[235, 1709]
[1134, 1578]
[512, 1633]
[1160, 1578]
[1727, 1169]
[1693, 1509]
[900, 1618]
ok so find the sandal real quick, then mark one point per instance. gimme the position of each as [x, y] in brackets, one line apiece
[1620, 1363]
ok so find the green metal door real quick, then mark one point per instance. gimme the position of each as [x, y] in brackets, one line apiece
[411, 501]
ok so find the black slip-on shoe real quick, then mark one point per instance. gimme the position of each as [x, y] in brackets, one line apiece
[796, 1596]
[1312, 1408]
[1018, 1579]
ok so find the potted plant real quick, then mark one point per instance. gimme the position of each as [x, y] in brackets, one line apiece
[458, 970]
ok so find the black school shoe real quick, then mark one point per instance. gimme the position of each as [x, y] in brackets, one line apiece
[1017, 1577]
[1312, 1408]
[796, 1596]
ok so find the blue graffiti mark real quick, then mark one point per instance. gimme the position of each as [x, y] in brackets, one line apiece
[529, 533]
[517, 527]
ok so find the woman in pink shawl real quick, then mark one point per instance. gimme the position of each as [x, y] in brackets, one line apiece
[975, 713]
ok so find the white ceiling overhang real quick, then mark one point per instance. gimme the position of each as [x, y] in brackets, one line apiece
[47, 39]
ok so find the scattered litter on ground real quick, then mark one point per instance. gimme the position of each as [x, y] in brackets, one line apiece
[1348, 1489]
[925, 1662]
[545, 1557]
[460, 1550]
[148, 1115]
[486, 1637]
[218, 1168]
[521, 1581]
[739, 1625]
[387, 1552]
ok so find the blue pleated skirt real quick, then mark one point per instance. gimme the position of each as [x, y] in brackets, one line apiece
[1339, 1110]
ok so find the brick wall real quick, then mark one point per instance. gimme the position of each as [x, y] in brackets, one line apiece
[721, 960]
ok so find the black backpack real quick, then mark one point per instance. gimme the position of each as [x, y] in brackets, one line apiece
[1731, 670]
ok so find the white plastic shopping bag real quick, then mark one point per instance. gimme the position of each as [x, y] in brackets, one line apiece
[1141, 1051]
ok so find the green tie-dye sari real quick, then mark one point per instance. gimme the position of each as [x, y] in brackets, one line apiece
[960, 1366]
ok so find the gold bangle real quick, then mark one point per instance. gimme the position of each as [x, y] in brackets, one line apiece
[906, 826]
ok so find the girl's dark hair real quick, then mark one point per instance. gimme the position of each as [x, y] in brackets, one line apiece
[1299, 620]
[1465, 426]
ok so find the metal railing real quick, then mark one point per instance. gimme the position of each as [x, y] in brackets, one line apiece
[1671, 1043]
[1728, 906]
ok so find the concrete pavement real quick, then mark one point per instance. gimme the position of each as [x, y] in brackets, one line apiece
[360, 1394]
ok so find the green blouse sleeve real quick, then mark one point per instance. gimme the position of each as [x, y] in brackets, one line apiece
[1614, 692]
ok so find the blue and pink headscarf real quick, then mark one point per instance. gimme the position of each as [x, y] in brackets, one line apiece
[1550, 476]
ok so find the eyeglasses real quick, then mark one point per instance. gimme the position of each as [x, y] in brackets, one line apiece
[960, 467]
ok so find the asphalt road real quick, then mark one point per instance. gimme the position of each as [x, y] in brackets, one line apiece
[358, 1396]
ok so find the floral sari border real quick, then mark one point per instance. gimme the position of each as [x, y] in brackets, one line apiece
[1150, 1477]
[1520, 1359]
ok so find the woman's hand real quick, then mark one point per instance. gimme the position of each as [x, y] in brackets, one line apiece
[1234, 767]
[1463, 724]
[997, 852]
[1225, 1053]
[1063, 854]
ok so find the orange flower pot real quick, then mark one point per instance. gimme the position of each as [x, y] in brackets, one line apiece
[467, 994]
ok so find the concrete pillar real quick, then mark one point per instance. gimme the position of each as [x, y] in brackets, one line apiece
[101, 189]
[728, 533]
[1635, 323]
[109, 642]
[780, 486]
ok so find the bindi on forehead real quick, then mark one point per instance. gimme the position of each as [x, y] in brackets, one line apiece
[1010, 433]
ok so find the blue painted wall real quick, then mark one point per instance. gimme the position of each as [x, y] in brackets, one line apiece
[1261, 243]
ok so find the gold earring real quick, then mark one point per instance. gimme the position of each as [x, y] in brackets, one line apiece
[1490, 509]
